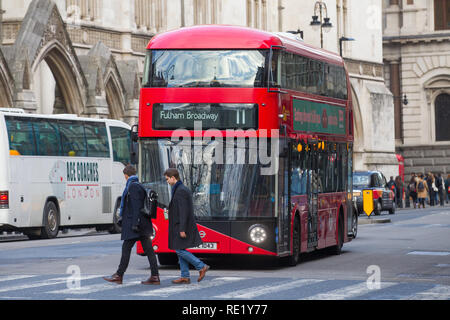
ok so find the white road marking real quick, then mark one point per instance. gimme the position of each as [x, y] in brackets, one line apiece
[15, 277]
[250, 293]
[105, 286]
[348, 292]
[49, 282]
[429, 253]
[439, 292]
[177, 288]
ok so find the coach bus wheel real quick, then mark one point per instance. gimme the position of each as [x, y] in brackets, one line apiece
[294, 259]
[50, 227]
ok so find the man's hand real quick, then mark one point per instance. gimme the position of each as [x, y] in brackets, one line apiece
[183, 234]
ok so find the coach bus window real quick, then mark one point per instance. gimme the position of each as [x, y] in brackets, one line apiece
[47, 138]
[21, 138]
[20, 134]
[121, 144]
[206, 68]
[73, 139]
[97, 140]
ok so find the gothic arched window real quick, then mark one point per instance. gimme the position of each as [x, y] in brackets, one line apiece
[442, 116]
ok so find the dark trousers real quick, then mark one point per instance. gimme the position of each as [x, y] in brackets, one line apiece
[126, 252]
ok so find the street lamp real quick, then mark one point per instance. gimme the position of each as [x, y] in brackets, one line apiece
[340, 43]
[299, 32]
[317, 22]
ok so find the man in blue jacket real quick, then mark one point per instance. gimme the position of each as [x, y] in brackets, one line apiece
[135, 227]
[183, 232]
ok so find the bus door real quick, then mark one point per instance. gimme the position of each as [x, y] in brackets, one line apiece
[283, 207]
[312, 194]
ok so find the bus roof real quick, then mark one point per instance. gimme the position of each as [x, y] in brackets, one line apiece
[235, 37]
[21, 113]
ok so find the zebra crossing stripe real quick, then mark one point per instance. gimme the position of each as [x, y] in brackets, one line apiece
[348, 292]
[438, 292]
[15, 277]
[175, 289]
[49, 282]
[104, 286]
[250, 293]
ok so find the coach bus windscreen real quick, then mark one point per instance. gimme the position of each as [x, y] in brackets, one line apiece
[205, 68]
[221, 189]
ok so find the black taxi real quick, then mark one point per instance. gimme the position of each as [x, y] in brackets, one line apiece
[383, 197]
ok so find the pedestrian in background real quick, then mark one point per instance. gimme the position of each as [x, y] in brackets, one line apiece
[440, 186]
[447, 187]
[399, 192]
[422, 190]
[431, 188]
[413, 189]
[391, 186]
[135, 227]
[183, 232]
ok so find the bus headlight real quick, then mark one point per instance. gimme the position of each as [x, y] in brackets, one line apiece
[257, 233]
[154, 233]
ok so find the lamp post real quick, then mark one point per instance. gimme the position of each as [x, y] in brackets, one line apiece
[340, 43]
[318, 21]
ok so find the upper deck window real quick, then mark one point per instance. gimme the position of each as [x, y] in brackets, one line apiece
[205, 68]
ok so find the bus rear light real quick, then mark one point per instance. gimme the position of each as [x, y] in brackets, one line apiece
[4, 200]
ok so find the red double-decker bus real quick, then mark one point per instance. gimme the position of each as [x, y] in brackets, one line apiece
[259, 125]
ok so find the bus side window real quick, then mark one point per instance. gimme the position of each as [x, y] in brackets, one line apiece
[47, 138]
[21, 138]
[97, 140]
[73, 139]
[121, 144]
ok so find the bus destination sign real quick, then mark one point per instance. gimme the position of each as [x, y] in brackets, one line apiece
[318, 117]
[217, 116]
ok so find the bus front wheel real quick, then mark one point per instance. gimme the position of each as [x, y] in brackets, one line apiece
[51, 221]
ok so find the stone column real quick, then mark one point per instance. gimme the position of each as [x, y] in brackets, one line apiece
[394, 71]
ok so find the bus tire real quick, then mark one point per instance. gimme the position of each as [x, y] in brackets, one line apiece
[354, 224]
[50, 221]
[295, 258]
[337, 249]
[167, 258]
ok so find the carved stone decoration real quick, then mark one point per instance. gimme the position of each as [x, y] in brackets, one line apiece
[6, 83]
[43, 36]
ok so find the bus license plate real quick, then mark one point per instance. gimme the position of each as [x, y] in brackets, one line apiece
[207, 246]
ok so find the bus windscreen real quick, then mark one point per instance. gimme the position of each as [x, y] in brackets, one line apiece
[205, 68]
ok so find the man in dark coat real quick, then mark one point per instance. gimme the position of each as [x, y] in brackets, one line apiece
[183, 232]
[135, 227]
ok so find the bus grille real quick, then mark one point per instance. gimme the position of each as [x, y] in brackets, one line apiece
[106, 206]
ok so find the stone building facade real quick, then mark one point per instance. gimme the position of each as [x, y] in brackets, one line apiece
[86, 56]
[416, 42]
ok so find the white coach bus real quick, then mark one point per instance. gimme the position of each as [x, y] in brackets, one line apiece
[60, 171]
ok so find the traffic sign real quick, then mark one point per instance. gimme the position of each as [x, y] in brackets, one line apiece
[368, 202]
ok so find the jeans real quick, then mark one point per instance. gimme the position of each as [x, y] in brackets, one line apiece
[184, 259]
[126, 252]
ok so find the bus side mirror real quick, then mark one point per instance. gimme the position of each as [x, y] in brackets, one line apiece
[134, 147]
[134, 133]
